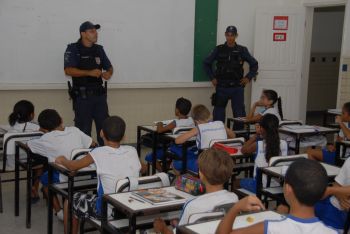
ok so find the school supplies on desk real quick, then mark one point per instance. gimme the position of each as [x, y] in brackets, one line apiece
[158, 196]
[164, 122]
[190, 184]
[227, 148]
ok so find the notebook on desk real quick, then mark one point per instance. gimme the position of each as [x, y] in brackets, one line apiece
[158, 196]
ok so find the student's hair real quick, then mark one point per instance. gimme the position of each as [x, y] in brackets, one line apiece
[273, 96]
[22, 112]
[308, 179]
[183, 105]
[270, 124]
[114, 128]
[49, 119]
[216, 165]
[200, 113]
[346, 107]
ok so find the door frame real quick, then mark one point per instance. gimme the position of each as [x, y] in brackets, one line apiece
[310, 6]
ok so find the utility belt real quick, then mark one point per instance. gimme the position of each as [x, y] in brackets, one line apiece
[228, 83]
[86, 91]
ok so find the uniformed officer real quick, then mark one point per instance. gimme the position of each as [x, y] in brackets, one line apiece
[88, 65]
[228, 78]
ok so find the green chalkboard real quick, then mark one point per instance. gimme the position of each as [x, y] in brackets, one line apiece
[205, 32]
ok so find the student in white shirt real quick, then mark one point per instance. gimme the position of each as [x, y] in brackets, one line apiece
[182, 109]
[215, 169]
[266, 144]
[328, 154]
[113, 162]
[334, 208]
[304, 185]
[20, 120]
[57, 140]
[205, 131]
[269, 98]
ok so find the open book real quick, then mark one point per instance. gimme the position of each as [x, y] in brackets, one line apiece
[158, 196]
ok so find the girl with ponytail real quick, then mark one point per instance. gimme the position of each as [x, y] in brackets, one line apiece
[21, 117]
[266, 144]
[272, 104]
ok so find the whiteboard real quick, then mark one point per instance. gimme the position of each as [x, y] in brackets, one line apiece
[147, 41]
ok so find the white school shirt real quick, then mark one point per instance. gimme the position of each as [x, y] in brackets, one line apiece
[113, 164]
[273, 111]
[206, 203]
[210, 131]
[293, 225]
[343, 178]
[188, 122]
[260, 160]
[24, 127]
[57, 143]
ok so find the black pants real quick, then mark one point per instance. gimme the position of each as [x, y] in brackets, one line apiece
[91, 108]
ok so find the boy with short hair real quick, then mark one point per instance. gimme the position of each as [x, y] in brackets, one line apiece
[205, 132]
[215, 169]
[113, 162]
[57, 140]
[305, 183]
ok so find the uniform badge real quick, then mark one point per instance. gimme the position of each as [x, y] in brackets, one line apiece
[98, 60]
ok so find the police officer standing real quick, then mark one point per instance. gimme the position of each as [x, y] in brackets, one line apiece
[228, 77]
[88, 65]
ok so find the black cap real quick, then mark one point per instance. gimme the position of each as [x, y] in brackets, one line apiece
[88, 25]
[231, 29]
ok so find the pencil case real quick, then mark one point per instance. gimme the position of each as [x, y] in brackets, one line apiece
[190, 184]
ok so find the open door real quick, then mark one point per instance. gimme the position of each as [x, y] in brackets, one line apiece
[279, 53]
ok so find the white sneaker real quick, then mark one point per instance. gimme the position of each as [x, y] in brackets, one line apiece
[59, 215]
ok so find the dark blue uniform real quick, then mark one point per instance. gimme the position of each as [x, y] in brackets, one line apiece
[229, 72]
[89, 95]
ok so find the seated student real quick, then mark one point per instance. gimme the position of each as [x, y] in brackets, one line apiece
[266, 145]
[182, 108]
[304, 185]
[57, 140]
[334, 208]
[113, 162]
[21, 118]
[215, 169]
[267, 100]
[205, 131]
[328, 154]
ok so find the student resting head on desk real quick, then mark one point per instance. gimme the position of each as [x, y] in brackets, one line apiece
[266, 144]
[304, 185]
[57, 140]
[215, 169]
[205, 131]
[268, 100]
[327, 154]
[113, 162]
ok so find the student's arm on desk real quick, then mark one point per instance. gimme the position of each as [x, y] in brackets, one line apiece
[74, 165]
[161, 128]
[342, 193]
[249, 146]
[249, 203]
[230, 134]
[187, 135]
